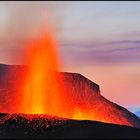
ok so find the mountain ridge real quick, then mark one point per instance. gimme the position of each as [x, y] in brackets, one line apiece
[86, 93]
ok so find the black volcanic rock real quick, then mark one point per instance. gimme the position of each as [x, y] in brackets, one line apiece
[85, 92]
[36, 126]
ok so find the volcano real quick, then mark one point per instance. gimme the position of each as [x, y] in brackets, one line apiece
[88, 103]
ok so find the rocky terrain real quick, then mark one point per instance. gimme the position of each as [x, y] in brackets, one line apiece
[86, 93]
[44, 126]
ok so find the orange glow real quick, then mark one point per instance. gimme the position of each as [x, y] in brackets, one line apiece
[79, 115]
[46, 92]
[39, 86]
[42, 91]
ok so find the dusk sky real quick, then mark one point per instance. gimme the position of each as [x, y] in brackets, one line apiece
[100, 40]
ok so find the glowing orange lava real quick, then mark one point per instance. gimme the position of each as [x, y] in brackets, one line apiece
[40, 93]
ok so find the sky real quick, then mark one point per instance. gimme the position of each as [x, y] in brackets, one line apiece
[100, 40]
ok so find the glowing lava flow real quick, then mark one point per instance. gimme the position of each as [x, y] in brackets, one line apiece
[41, 94]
